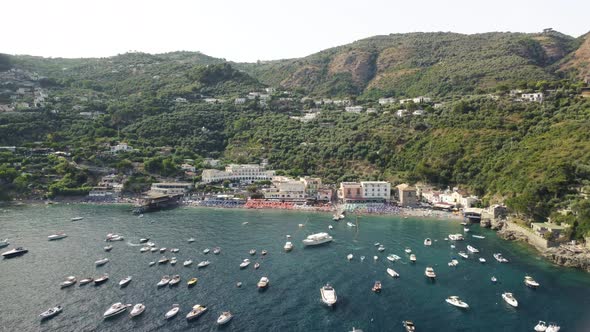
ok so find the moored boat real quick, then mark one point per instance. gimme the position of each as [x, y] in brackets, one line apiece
[427, 242]
[482, 260]
[191, 240]
[57, 236]
[317, 239]
[478, 236]
[137, 310]
[510, 299]
[530, 282]
[173, 261]
[203, 264]
[288, 246]
[216, 250]
[85, 281]
[429, 272]
[457, 302]
[456, 237]
[408, 250]
[108, 248]
[244, 263]
[256, 266]
[172, 312]
[381, 248]
[224, 318]
[163, 260]
[412, 258]
[463, 254]
[252, 252]
[143, 240]
[498, 256]
[51, 312]
[541, 326]
[349, 257]
[188, 262]
[472, 249]
[206, 251]
[164, 281]
[409, 325]
[125, 281]
[101, 262]
[393, 258]
[263, 283]
[115, 309]
[102, 279]
[392, 273]
[71, 280]
[553, 328]
[377, 287]
[4, 243]
[76, 218]
[192, 282]
[328, 294]
[14, 252]
[196, 312]
[174, 281]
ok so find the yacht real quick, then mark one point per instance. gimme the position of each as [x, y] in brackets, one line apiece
[478, 236]
[137, 310]
[412, 258]
[115, 309]
[553, 328]
[349, 257]
[197, 311]
[376, 244]
[463, 254]
[206, 251]
[288, 246]
[263, 283]
[203, 264]
[85, 281]
[173, 261]
[457, 302]
[174, 281]
[482, 260]
[328, 295]
[4, 243]
[239, 284]
[392, 273]
[225, 317]
[101, 262]
[245, 223]
[472, 249]
[102, 279]
[163, 260]
[143, 240]
[317, 239]
[429, 272]
[187, 263]
[301, 225]
[191, 240]
[51, 312]
[509, 298]
[244, 263]
[381, 248]
[216, 250]
[498, 256]
[154, 249]
[453, 263]
[174, 250]
[76, 218]
[144, 249]
[152, 263]
[456, 237]
[114, 237]
[57, 236]
[172, 312]
[108, 248]
[252, 251]
[162, 250]
[541, 326]
[125, 281]
[377, 287]
[408, 251]
[409, 325]
[336, 217]
[264, 252]
[393, 258]
[164, 281]
[68, 282]
[427, 242]
[256, 266]
[192, 282]
[530, 282]
[14, 252]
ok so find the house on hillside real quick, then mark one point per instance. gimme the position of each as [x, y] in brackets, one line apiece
[407, 195]
[532, 97]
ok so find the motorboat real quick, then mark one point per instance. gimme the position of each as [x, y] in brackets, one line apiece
[154, 249]
[409, 325]
[408, 250]
[541, 326]
[162, 250]
[191, 240]
[263, 283]
[498, 256]
[216, 250]
[224, 318]
[172, 312]
[328, 295]
[239, 284]
[244, 263]
[114, 237]
[452, 246]
[76, 218]
[377, 287]
[553, 328]
[362, 258]
[125, 281]
[57, 236]
[206, 251]
[472, 249]
[203, 264]
[530, 282]
[173, 261]
[143, 240]
[288, 246]
[301, 225]
[14, 252]
[196, 312]
[71, 280]
[478, 236]
[463, 254]
[494, 279]
[465, 229]
[164, 281]
[429, 272]
[245, 223]
[174, 281]
[393, 258]
[375, 258]
[252, 252]
[413, 258]
[336, 218]
[137, 310]
[101, 262]
[187, 263]
[264, 252]
[51, 312]
[150, 244]
[392, 273]
[341, 216]
[456, 237]
[330, 227]
[163, 260]
[376, 244]
[453, 263]
[115, 309]
[482, 260]
[317, 239]
[85, 281]
[256, 266]
[152, 263]
[144, 249]
[463, 223]
[457, 302]
[108, 248]
[174, 250]
[381, 248]
[427, 242]
[192, 282]
[349, 224]
[354, 329]
[288, 236]
[509, 298]
[349, 257]
[4, 243]
[101, 280]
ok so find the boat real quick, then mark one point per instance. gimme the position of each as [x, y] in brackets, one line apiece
[57, 236]
[224, 318]
[429, 272]
[509, 298]
[375, 258]
[541, 326]
[341, 216]
[349, 224]
[172, 312]
[317, 239]
[264, 252]
[427, 242]
[115, 309]
[301, 225]
[173, 261]
[452, 246]
[463, 254]
[354, 329]
[328, 295]
[192, 282]
[408, 251]
[125, 281]
[239, 284]
[330, 227]
[409, 325]
[51, 312]
[206, 251]
[456, 237]
[413, 258]
[498, 256]
[174, 281]
[478, 236]
[76, 218]
[482, 260]
[453, 263]
[376, 244]
[14, 252]
[203, 264]
[152, 263]
[187, 263]
[164, 281]
[163, 260]
[463, 223]
[85, 281]
[381, 248]
[252, 251]
[191, 240]
[216, 250]
[362, 258]
[494, 279]
[288, 236]
[154, 249]
[377, 287]
[457, 302]
[174, 250]
[143, 240]
[137, 310]
[530, 282]
[108, 248]
[472, 249]
[162, 249]
[196, 312]
[288, 246]
[150, 244]
[101, 262]
[553, 328]
[465, 229]
[336, 217]
[244, 263]
[68, 282]
[349, 257]
[4, 243]
[114, 237]
[392, 273]
[102, 279]
[256, 266]
[393, 258]
[263, 283]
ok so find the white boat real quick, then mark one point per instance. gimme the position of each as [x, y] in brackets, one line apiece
[349, 257]
[288, 246]
[137, 310]
[57, 236]
[301, 225]
[224, 318]
[252, 252]
[494, 279]
[163, 249]
[478, 236]
[115, 309]
[203, 264]
[172, 312]
[409, 325]
[509, 298]
[216, 250]
[465, 229]
[191, 240]
[453, 263]
[336, 217]
[143, 240]
[174, 250]
[125, 281]
[452, 246]
[163, 260]
[350, 224]
[4, 243]
[456, 237]
[381, 248]
[197, 311]
[393, 258]
[51, 312]
[264, 252]
[375, 258]
[206, 251]
[71, 280]
[530, 282]
[463, 254]
[245, 223]
[114, 237]
[76, 218]
[174, 281]
[429, 272]
[498, 256]
[553, 328]
[412, 258]
[427, 242]
[408, 251]
[362, 258]
[541, 326]
[101, 262]
[164, 281]
[14, 252]
[256, 266]
[376, 244]
[263, 283]
[288, 236]
[152, 263]
[328, 295]
[85, 281]
[173, 261]
[108, 248]
[341, 216]
[244, 263]
[102, 279]
[457, 302]
[330, 227]
[150, 244]
[317, 239]
[482, 260]
[472, 249]
[154, 249]
[392, 273]
[187, 263]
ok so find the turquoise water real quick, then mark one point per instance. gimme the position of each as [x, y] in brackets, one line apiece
[30, 284]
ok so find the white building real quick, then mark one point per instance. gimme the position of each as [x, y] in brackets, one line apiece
[401, 113]
[211, 162]
[211, 100]
[353, 109]
[246, 173]
[385, 101]
[188, 168]
[239, 101]
[180, 100]
[286, 189]
[121, 147]
[418, 112]
[534, 97]
[376, 190]
[170, 188]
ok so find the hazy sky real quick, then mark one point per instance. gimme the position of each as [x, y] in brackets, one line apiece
[242, 30]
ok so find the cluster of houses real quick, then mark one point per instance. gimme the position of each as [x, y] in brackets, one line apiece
[22, 89]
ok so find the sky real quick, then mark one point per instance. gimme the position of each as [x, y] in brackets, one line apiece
[247, 31]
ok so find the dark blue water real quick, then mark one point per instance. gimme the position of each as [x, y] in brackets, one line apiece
[30, 284]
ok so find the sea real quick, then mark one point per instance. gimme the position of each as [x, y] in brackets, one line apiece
[29, 284]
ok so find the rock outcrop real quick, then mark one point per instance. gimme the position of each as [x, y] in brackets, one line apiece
[570, 257]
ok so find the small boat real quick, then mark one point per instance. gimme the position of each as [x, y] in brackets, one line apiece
[541, 326]
[330, 227]
[553, 328]
[498, 256]
[288, 236]
[482, 260]
[151, 244]
[288, 246]
[192, 282]
[100, 280]
[216, 250]
[377, 287]
[341, 216]
[101, 262]
[174, 281]
[144, 249]
[452, 246]
[51, 312]
[244, 263]
[393, 258]
[456, 237]
[509, 298]
[349, 257]
[76, 218]
[225, 317]
[264, 252]
[408, 251]
[108, 248]
[174, 250]
[125, 281]
[197, 311]
[328, 294]
[239, 284]
[4, 243]
[301, 225]
[478, 236]
[203, 264]
[375, 258]
[494, 279]
[57, 236]
[245, 223]
[392, 273]
[263, 283]
[191, 240]
[114, 237]
[137, 310]
[472, 249]
[256, 266]
[413, 258]
[465, 229]
[252, 251]
[71, 280]
[187, 263]
[463, 254]
[317, 239]
[206, 251]
[164, 281]
[336, 217]
[115, 309]
[173, 261]
[429, 272]
[452, 264]
[163, 260]
[530, 282]
[154, 249]
[362, 258]
[172, 312]
[152, 263]
[350, 224]
[409, 325]
[457, 302]
[162, 249]
[427, 242]
[14, 252]
[376, 244]
[144, 240]
[463, 223]
[381, 248]
[354, 329]
[85, 281]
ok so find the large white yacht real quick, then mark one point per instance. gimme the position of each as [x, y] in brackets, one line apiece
[316, 239]
[328, 295]
[510, 299]
[530, 282]
[244, 263]
[115, 309]
[57, 236]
